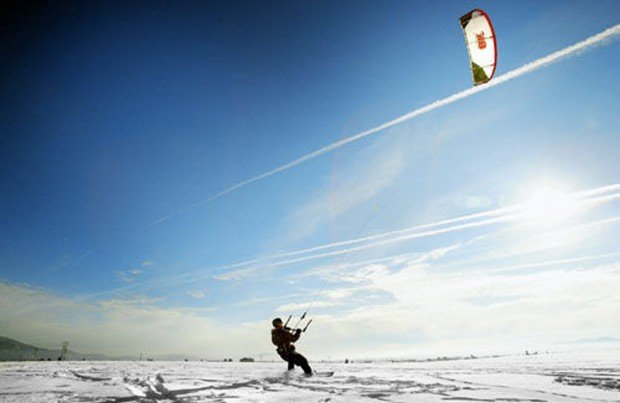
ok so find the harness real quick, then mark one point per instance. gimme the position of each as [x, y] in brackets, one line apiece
[284, 347]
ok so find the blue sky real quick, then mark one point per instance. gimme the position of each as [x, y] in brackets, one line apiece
[121, 121]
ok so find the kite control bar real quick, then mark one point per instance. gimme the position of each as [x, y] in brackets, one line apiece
[295, 328]
[302, 330]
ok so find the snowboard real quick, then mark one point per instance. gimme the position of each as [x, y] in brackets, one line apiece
[322, 374]
[298, 376]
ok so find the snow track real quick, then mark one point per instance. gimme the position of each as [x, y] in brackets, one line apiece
[542, 378]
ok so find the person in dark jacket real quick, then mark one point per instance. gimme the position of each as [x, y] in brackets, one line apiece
[283, 339]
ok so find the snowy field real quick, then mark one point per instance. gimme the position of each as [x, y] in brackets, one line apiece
[593, 377]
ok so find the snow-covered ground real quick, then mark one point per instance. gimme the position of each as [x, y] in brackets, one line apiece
[558, 377]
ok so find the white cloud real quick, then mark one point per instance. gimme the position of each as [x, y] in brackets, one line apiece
[474, 202]
[475, 311]
[196, 294]
[322, 299]
[489, 309]
[118, 326]
[127, 276]
[294, 307]
[235, 275]
[483, 308]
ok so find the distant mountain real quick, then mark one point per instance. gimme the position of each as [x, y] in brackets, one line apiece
[13, 350]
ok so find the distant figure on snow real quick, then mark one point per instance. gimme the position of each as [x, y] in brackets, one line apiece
[283, 338]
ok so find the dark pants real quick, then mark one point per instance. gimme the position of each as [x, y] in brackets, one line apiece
[294, 358]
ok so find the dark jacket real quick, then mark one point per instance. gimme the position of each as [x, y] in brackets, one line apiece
[283, 339]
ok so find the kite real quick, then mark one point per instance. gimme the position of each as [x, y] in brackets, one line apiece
[481, 45]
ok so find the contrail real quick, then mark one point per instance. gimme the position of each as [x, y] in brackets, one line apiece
[546, 263]
[584, 198]
[466, 264]
[406, 237]
[587, 198]
[490, 213]
[525, 69]
[486, 218]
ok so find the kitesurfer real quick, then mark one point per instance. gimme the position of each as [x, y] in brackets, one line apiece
[283, 338]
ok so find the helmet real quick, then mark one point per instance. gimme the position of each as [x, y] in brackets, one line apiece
[276, 321]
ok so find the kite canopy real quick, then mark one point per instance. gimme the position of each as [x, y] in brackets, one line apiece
[481, 45]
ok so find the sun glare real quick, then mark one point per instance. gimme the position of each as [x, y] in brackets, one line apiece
[547, 205]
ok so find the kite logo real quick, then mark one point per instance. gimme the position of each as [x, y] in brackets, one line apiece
[482, 43]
